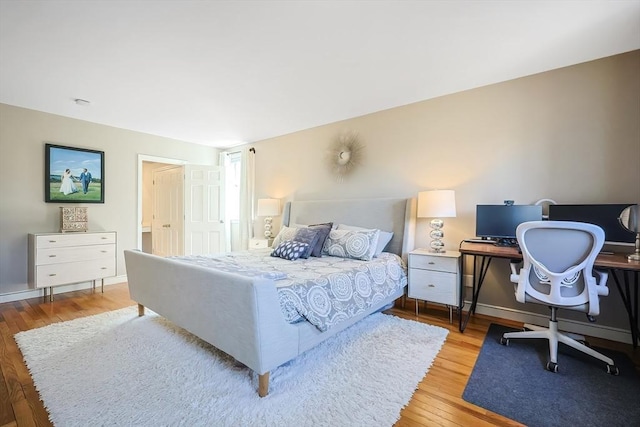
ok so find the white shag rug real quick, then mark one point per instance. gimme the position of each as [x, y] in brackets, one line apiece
[120, 369]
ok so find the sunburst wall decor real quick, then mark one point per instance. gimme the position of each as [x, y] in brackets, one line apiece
[344, 155]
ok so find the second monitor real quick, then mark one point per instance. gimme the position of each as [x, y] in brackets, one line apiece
[499, 222]
[604, 215]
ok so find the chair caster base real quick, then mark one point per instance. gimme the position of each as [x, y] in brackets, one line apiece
[613, 370]
[552, 367]
[504, 341]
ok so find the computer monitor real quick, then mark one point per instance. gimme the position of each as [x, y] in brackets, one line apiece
[605, 215]
[499, 222]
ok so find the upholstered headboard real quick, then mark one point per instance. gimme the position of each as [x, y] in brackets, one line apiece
[395, 215]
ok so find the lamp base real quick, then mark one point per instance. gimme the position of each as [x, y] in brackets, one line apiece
[267, 227]
[636, 255]
[436, 235]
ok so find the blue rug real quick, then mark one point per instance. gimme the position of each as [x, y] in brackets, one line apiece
[512, 381]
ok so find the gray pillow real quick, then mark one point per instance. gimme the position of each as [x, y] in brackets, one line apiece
[356, 244]
[323, 233]
[309, 236]
[383, 240]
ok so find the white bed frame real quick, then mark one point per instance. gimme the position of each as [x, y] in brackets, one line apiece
[241, 316]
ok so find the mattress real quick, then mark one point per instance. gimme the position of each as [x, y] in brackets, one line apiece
[323, 291]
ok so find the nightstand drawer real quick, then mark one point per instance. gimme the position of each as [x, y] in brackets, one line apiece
[258, 244]
[437, 263]
[433, 286]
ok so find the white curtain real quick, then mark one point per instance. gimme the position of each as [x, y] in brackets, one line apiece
[247, 195]
[238, 197]
[224, 162]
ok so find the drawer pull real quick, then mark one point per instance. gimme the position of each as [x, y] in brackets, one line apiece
[52, 241]
[52, 274]
[104, 252]
[52, 256]
[104, 238]
[431, 285]
[103, 268]
[431, 263]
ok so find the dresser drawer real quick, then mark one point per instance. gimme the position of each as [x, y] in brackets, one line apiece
[73, 272]
[74, 253]
[438, 263]
[62, 240]
[435, 286]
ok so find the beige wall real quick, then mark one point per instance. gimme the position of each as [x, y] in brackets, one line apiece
[23, 134]
[572, 135]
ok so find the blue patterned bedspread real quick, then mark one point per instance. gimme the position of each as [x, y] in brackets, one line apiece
[323, 291]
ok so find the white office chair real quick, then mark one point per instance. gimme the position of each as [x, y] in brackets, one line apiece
[557, 271]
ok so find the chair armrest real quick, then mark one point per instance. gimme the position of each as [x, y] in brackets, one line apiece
[515, 276]
[601, 281]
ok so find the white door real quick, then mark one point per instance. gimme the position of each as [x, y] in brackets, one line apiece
[203, 223]
[167, 222]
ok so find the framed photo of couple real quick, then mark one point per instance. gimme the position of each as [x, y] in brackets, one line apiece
[73, 175]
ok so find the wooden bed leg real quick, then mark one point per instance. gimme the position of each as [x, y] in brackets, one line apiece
[140, 310]
[263, 384]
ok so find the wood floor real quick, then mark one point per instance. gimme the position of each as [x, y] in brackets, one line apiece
[437, 402]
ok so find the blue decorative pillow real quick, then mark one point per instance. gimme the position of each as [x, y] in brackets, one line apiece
[290, 250]
[309, 236]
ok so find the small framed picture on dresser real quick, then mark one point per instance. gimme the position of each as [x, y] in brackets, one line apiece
[73, 175]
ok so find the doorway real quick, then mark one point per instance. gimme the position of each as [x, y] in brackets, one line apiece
[146, 166]
[180, 207]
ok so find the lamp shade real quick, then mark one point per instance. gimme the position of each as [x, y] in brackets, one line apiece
[437, 204]
[268, 207]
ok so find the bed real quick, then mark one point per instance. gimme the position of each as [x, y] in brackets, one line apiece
[241, 314]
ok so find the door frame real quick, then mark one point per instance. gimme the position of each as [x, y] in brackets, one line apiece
[147, 158]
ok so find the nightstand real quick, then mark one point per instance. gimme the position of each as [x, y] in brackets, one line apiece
[260, 243]
[435, 277]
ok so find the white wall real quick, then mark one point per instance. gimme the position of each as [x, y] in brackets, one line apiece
[23, 134]
[572, 135]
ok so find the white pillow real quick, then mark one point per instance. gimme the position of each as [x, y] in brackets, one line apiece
[383, 239]
[285, 233]
[356, 244]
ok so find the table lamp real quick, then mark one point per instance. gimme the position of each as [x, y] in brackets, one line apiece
[630, 221]
[436, 204]
[268, 208]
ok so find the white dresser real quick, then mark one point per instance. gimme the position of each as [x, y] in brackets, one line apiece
[435, 277]
[60, 259]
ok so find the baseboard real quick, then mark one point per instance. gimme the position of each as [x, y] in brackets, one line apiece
[35, 293]
[588, 329]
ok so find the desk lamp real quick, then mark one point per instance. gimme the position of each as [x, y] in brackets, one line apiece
[268, 208]
[436, 204]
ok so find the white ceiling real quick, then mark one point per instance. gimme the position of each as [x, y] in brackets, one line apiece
[222, 73]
